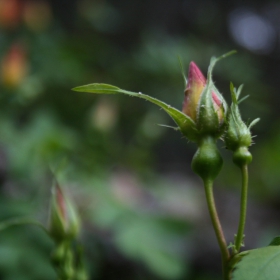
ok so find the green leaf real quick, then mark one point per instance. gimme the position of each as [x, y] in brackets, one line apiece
[259, 264]
[98, 88]
[275, 241]
[186, 124]
[149, 240]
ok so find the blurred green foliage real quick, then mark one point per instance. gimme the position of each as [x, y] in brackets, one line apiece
[143, 213]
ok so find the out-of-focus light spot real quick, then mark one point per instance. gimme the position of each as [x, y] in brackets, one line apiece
[10, 13]
[103, 16]
[252, 31]
[104, 115]
[201, 12]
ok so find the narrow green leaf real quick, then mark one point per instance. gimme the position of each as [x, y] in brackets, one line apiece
[98, 88]
[186, 124]
[259, 264]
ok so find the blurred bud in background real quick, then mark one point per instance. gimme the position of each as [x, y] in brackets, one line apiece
[10, 13]
[104, 115]
[14, 66]
[64, 222]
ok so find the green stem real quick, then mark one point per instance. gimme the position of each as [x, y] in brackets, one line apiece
[20, 221]
[208, 184]
[243, 208]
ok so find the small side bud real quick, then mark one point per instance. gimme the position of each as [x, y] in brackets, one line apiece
[63, 221]
[237, 134]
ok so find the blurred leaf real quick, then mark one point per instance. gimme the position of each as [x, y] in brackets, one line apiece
[259, 264]
[275, 241]
[155, 243]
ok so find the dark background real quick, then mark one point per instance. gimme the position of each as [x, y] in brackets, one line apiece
[143, 211]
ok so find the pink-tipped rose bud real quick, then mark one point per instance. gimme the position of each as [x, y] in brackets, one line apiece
[64, 222]
[195, 86]
[207, 114]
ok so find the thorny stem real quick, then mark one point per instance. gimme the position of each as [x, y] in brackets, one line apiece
[208, 184]
[243, 208]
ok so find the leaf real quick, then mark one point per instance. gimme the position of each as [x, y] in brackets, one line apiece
[186, 124]
[259, 264]
[275, 241]
[152, 240]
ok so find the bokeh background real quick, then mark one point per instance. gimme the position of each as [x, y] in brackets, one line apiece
[143, 211]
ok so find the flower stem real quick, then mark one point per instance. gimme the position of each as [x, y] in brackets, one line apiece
[20, 221]
[243, 208]
[208, 184]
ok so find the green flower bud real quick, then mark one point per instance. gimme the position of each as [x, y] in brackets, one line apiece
[237, 135]
[63, 222]
[207, 161]
[203, 103]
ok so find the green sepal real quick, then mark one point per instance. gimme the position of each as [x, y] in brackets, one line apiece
[185, 123]
[254, 122]
[182, 71]
[208, 121]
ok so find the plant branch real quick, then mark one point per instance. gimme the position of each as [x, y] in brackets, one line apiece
[20, 221]
[243, 209]
[208, 184]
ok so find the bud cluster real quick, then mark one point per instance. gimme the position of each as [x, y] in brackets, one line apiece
[212, 119]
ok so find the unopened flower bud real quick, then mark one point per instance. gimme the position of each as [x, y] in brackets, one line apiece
[64, 222]
[203, 103]
[237, 135]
